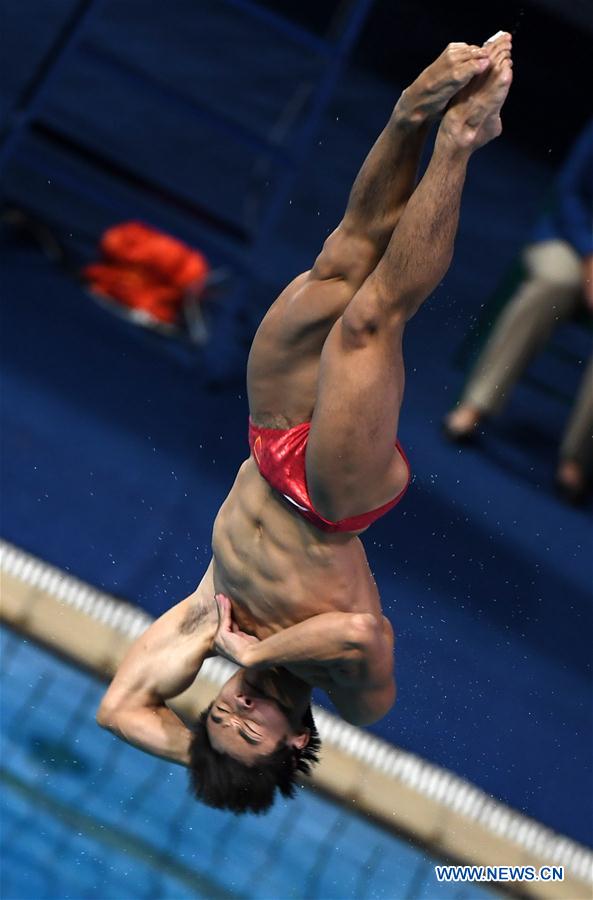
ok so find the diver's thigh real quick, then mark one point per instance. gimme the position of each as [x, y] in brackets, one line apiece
[352, 463]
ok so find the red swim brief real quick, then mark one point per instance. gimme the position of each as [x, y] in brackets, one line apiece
[280, 457]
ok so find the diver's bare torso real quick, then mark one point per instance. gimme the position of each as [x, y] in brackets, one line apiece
[278, 568]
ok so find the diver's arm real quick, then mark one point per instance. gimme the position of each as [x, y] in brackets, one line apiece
[364, 696]
[154, 729]
[327, 639]
[352, 653]
[330, 639]
[344, 642]
[162, 663]
[363, 707]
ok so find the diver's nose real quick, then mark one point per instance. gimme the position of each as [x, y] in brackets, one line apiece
[244, 701]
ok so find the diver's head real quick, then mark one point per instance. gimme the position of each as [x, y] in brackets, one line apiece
[253, 739]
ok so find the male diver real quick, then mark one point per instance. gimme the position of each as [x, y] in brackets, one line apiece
[325, 385]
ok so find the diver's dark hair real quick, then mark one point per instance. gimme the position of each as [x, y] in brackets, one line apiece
[223, 782]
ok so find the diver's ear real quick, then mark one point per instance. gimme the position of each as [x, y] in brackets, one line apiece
[300, 740]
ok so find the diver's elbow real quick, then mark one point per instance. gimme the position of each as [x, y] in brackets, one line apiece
[106, 715]
[381, 704]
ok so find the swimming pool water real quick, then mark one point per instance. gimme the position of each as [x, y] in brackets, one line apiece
[86, 816]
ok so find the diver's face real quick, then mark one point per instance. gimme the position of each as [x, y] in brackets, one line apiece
[246, 721]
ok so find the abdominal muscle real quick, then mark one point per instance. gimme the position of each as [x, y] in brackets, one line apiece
[277, 568]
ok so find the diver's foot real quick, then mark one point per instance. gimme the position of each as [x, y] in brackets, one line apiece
[461, 423]
[473, 116]
[427, 97]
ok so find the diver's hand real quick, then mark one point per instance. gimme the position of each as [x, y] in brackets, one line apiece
[230, 641]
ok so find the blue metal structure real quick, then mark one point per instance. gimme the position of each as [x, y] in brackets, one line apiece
[32, 117]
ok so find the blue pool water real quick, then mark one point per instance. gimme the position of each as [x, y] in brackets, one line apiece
[86, 816]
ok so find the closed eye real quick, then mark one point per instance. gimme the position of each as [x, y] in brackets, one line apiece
[251, 729]
[246, 737]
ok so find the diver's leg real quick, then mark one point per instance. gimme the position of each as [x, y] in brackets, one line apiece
[283, 364]
[388, 176]
[351, 462]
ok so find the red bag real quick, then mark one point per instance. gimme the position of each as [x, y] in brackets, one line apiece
[146, 269]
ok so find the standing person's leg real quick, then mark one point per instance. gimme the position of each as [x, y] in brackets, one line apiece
[351, 462]
[550, 294]
[576, 451]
